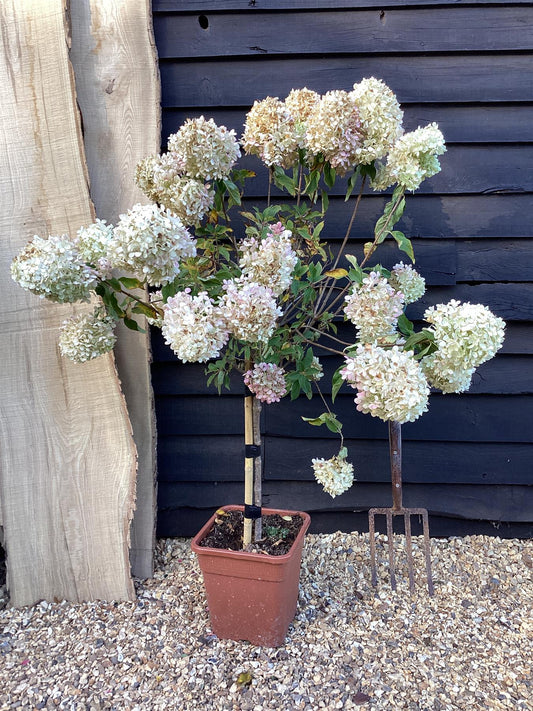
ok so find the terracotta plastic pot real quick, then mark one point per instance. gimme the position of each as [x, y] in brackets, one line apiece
[251, 596]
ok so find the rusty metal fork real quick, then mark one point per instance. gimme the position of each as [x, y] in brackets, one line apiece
[398, 509]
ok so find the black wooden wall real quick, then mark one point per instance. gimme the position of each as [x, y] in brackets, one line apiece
[468, 66]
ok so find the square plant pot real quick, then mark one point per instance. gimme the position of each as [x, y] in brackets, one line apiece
[251, 596]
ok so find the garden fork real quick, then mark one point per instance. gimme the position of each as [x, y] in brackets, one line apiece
[395, 445]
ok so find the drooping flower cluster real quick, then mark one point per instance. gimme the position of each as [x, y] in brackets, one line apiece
[150, 242]
[381, 118]
[336, 474]
[466, 335]
[390, 383]
[203, 150]
[250, 310]
[194, 327]
[374, 307]
[87, 336]
[266, 381]
[408, 281]
[270, 261]
[53, 268]
[412, 159]
[334, 130]
[187, 198]
[270, 134]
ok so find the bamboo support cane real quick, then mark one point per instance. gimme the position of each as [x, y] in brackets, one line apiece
[258, 466]
[248, 466]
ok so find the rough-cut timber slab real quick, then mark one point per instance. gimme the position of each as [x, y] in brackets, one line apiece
[118, 90]
[67, 458]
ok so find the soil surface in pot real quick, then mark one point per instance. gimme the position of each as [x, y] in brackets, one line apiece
[279, 533]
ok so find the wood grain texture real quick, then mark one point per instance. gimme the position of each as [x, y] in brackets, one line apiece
[361, 31]
[118, 90]
[67, 472]
[195, 6]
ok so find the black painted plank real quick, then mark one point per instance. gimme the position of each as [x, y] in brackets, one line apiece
[462, 29]
[431, 216]
[503, 375]
[186, 522]
[504, 503]
[187, 6]
[421, 79]
[495, 260]
[457, 418]
[471, 124]
[465, 169]
[220, 458]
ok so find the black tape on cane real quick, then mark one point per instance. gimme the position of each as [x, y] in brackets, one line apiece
[252, 512]
[252, 451]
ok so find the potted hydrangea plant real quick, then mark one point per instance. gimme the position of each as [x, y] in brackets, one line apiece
[253, 291]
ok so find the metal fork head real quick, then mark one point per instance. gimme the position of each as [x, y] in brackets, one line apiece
[406, 513]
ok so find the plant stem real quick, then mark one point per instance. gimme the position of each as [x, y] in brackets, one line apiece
[383, 229]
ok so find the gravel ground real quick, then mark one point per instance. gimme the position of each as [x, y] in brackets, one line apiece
[351, 646]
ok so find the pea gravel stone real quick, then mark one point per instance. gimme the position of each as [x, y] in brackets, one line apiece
[350, 647]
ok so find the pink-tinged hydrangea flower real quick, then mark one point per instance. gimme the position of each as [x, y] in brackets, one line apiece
[466, 336]
[250, 310]
[187, 198]
[334, 130]
[269, 133]
[266, 381]
[194, 327]
[412, 159]
[335, 474]
[374, 307]
[150, 242]
[203, 150]
[408, 281]
[87, 336]
[54, 269]
[381, 118]
[270, 261]
[390, 383]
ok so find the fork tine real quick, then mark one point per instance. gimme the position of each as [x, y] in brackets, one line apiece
[391, 550]
[372, 535]
[425, 526]
[409, 546]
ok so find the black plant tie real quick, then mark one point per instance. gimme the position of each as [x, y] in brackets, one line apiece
[252, 512]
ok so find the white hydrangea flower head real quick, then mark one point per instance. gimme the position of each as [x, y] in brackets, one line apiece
[301, 103]
[194, 327]
[412, 159]
[266, 381]
[335, 475]
[381, 118]
[269, 133]
[269, 261]
[374, 307]
[203, 150]
[87, 336]
[93, 244]
[406, 279]
[159, 178]
[466, 336]
[150, 242]
[250, 310]
[390, 383]
[334, 129]
[53, 269]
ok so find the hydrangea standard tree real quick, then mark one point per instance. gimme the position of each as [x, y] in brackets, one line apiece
[254, 290]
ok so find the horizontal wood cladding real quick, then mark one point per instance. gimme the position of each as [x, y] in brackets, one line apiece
[252, 6]
[466, 66]
[216, 458]
[470, 123]
[361, 31]
[496, 503]
[420, 79]
[451, 418]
